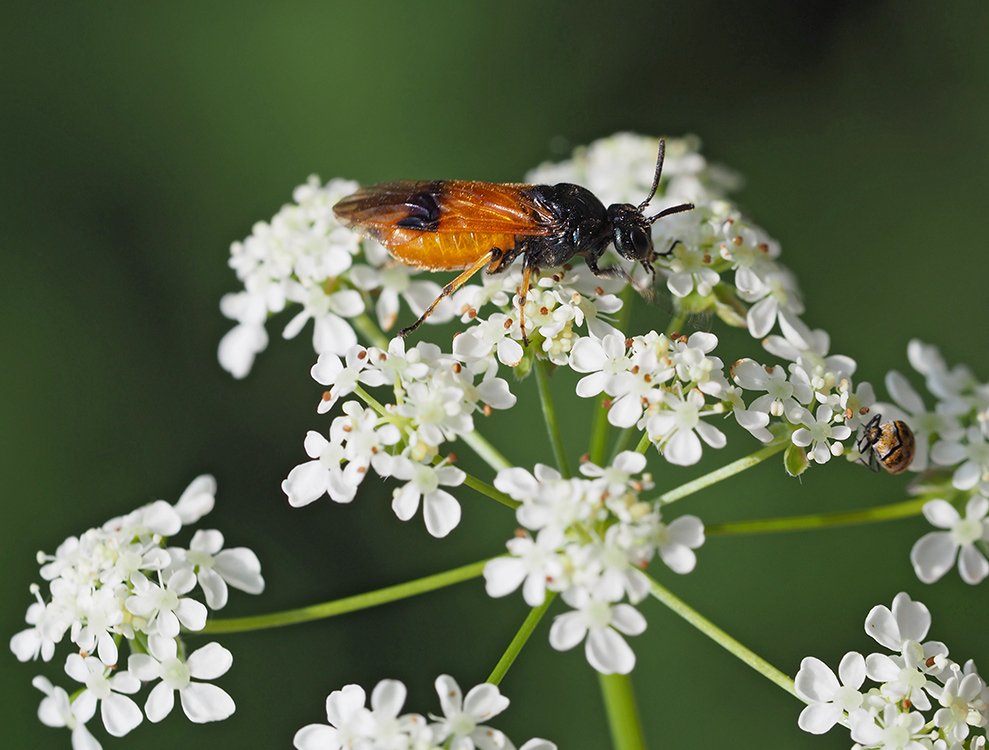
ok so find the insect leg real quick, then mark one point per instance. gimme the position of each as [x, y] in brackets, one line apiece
[449, 289]
[527, 270]
[669, 250]
[617, 272]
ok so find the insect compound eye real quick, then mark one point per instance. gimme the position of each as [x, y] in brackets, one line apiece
[641, 242]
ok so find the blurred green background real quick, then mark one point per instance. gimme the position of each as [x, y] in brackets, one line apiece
[139, 141]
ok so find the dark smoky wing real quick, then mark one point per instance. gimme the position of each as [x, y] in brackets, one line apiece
[447, 206]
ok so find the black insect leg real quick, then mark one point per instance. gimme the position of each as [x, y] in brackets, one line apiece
[617, 272]
[669, 250]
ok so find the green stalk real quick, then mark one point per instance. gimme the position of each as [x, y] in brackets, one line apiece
[486, 489]
[549, 413]
[371, 401]
[485, 451]
[728, 470]
[519, 640]
[720, 637]
[643, 445]
[676, 324]
[599, 432]
[345, 605]
[621, 443]
[623, 713]
[370, 331]
[890, 512]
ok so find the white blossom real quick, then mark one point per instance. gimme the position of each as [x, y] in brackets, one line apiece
[934, 553]
[201, 701]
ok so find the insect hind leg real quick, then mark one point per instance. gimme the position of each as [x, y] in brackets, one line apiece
[450, 288]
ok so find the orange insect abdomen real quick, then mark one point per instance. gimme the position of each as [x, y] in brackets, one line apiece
[441, 251]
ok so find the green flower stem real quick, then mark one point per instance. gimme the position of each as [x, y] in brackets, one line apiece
[599, 432]
[676, 323]
[623, 714]
[643, 445]
[720, 637]
[487, 452]
[519, 640]
[621, 442]
[371, 401]
[370, 331]
[549, 413]
[486, 489]
[347, 604]
[890, 512]
[728, 470]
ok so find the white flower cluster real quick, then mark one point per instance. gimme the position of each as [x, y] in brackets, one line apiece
[918, 677]
[122, 582]
[382, 726]
[304, 256]
[435, 398]
[588, 538]
[953, 435]
[666, 386]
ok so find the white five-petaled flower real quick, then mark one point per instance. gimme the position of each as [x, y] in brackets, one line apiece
[895, 731]
[828, 699]
[785, 394]
[678, 540]
[120, 714]
[56, 710]
[599, 624]
[323, 475]
[821, 433]
[201, 701]
[675, 428]
[531, 563]
[440, 509]
[934, 553]
[973, 455]
[349, 722]
[164, 607]
[463, 716]
[216, 568]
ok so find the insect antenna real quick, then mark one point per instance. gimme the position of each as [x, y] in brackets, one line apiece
[659, 173]
[671, 210]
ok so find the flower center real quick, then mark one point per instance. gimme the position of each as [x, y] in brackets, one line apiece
[848, 698]
[462, 725]
[598, 614]
[966, 532]
[175, 673]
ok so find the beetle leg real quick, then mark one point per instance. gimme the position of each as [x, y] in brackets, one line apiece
[450, 288]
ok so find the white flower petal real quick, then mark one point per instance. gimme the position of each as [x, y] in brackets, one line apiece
[972, 566]
[567, 631]
[209, 661]
[815, 681]
[484, 701]
[608, 652]
[819, 718]
[933, 555]
[441, 512]
[160, 702]
[203, 702]
[120, 714]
